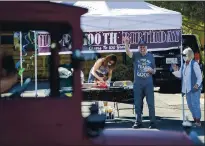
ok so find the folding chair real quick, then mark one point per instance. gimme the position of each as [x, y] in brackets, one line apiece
[121, 84]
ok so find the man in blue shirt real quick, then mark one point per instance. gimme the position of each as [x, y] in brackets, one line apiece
[144, 68]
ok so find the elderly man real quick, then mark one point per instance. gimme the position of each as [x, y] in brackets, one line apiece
[191, 76]
[8, 73]
[144, 68]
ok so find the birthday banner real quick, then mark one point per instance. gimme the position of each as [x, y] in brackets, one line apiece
[113, 41]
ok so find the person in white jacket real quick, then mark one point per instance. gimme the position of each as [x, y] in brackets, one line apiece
[191, 76]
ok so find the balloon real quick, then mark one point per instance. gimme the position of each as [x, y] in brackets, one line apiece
[29, 39]
[68, 94]
[21, 71]
[24, 50]
[18, 64]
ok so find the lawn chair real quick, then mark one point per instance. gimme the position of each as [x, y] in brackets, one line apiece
[121, 84]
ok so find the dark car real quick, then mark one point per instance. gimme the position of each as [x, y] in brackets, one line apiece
[164, 77]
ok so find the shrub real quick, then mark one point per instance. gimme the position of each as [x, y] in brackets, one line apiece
[122, 72]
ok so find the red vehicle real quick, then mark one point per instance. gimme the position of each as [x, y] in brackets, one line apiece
[52, 121]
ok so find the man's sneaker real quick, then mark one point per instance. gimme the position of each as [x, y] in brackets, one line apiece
[152, 126]
[197, 124]
[137, 125]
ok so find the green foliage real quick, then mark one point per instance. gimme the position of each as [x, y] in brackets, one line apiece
[202, 56]
[193, 10]
[193, 17]
[122, 72]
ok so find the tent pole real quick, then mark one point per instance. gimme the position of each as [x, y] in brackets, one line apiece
[35, 43]
[21, 55]
[181, 50]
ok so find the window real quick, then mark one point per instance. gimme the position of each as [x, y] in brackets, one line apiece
[7, 39]
[40, 41]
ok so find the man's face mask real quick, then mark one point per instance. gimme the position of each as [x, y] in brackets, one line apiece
[185, 57]
[110, 63]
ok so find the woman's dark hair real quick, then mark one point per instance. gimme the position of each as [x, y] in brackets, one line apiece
[108, 58]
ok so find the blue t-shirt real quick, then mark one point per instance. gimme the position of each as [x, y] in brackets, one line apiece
[140, 64]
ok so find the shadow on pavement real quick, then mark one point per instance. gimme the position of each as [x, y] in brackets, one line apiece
[168, 91]
[31, 86]
[163, 123]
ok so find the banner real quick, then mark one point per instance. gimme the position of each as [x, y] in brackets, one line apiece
[112, 41]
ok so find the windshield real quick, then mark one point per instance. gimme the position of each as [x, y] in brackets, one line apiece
[175, 51]
[187, 41]
[27, 55]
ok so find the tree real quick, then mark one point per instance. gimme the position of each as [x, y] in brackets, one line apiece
[193, 15]
[193, 10]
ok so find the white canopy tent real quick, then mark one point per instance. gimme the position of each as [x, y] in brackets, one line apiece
[111, 16]
[159, 27]
[126, 16]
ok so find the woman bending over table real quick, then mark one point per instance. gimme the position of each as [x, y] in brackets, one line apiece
[102, 70]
